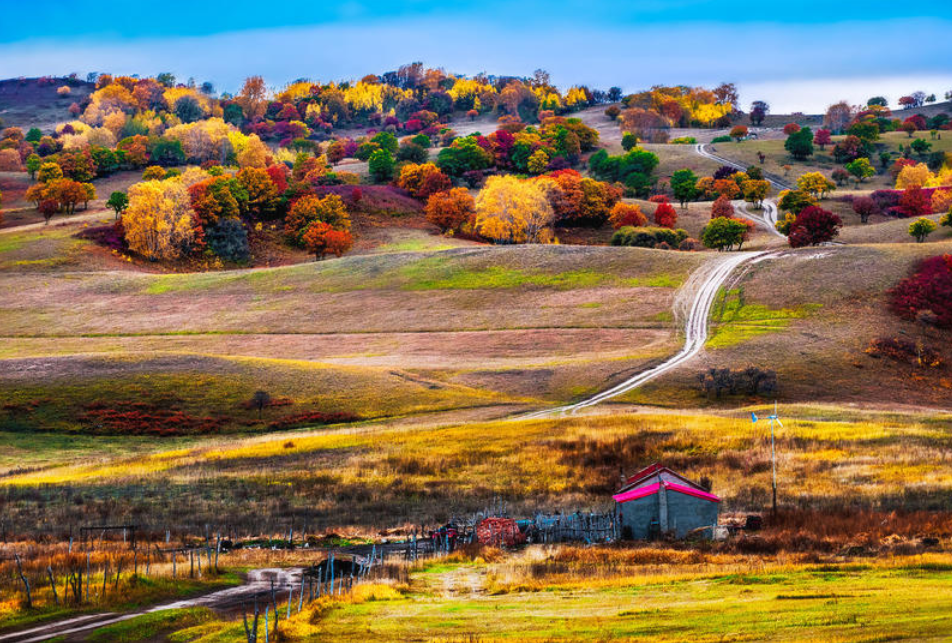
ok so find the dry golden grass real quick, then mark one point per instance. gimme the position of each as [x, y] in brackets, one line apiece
[374, 478]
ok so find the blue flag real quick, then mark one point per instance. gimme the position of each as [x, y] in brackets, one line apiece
[753, 416]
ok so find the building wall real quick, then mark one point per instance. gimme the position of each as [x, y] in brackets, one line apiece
[687, 512]
[684, 514]
[637, 516]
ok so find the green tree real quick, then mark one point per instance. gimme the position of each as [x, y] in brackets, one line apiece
[800, 144]
[921, 228]
[118, 201]
[723, 233]
[188, 109]
[381, 166]
[683, 183]
[920, 146]
[33, 163]
[386, 141]
[861, 168]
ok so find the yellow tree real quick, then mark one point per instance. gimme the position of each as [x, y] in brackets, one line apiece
[158, 223]
[253, 153]
[816, 184]
[914, 175]
[509, 210]
[755, 191]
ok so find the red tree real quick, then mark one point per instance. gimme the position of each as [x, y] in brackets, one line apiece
[665, 215]
[722, 207]
[814, 226]
[791, 128]
[864, 206]
[822, 138]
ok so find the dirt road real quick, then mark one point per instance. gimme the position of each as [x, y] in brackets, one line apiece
[693, 305]
[257, 582]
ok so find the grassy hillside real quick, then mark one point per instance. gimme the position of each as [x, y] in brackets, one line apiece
[811, 315]
[389, 334]
[378, 476]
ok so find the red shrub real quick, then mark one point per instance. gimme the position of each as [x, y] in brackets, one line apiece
[313, 417]
[927, 293]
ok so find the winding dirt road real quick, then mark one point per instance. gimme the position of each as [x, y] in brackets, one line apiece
[694, 302]
[257, 582]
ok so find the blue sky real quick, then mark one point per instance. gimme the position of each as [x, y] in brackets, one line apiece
[799, 56]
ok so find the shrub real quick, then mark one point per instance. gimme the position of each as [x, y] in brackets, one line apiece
[927, 293]
[648, 237]
[449, 210]
[627, 215]
[721, 139]
[751, 381]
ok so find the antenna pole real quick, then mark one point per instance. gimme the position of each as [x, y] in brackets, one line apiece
[773, 457]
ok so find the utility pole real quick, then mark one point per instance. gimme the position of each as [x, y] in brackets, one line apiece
[773, 454]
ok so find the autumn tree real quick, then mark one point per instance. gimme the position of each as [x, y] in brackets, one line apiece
[822, 138]
[450, 210]
[794, 201]
[813, 226]
[510, 210]
[422, 180]
[739, 132]
[49, 172]
[816, 184]
[758, 112]
[915, 202]
[321, 239]
[310, 208]
[864, 206]
[253, 98]
[665, 215]
[158, 221]
[848, 149]
[755, 191]
[722, 207]
[262, 194]
[838, 116]
[627, 214]
[727, 188]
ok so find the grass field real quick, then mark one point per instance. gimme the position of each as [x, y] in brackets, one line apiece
[811, 315]
[745, 153]
[373, 477]
[565, 593]
[369, 336]
[835, 602]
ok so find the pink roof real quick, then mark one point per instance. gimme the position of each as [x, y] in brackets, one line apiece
[641, 492]
[658, 469]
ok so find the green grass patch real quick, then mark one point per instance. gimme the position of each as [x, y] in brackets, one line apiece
[738, 321]
[149, 626]
[500, 277]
